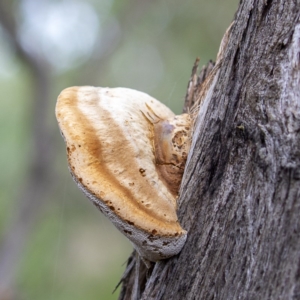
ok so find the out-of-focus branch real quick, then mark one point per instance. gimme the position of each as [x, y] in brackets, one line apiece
[40, 179]
[40, 72]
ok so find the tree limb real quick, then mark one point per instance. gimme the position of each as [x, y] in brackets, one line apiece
[240, 192]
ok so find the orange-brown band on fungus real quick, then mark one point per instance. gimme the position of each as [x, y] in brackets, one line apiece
[107, 178]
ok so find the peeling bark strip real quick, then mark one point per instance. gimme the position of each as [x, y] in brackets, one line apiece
[240, 195]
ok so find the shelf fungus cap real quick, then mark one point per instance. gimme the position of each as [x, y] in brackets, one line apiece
[126, 152]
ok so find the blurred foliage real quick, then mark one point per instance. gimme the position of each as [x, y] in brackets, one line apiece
[73, 252]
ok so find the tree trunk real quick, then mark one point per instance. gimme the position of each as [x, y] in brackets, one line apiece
[240, 194]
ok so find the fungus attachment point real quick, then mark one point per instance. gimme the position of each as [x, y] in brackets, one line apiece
[126, 152]
[172, 143]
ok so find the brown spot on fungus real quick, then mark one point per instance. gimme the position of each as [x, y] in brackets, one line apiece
[142, 171]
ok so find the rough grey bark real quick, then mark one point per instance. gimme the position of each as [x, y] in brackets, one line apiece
[240, 195]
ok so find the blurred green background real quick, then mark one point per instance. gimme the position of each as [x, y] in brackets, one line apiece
[54, 244]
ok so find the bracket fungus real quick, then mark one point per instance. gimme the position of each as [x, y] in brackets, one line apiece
[127, 152]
